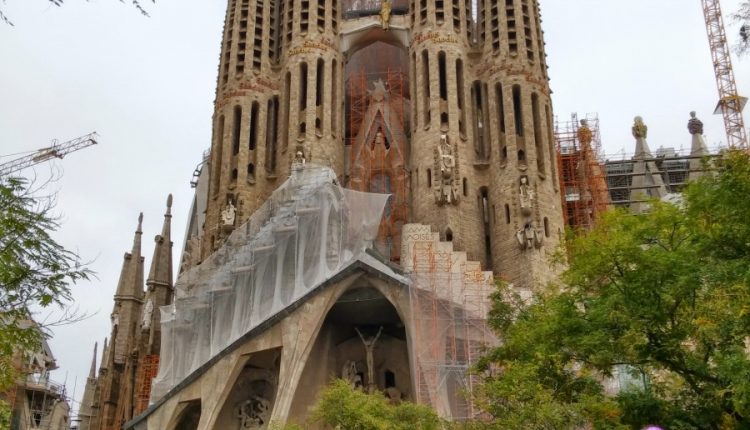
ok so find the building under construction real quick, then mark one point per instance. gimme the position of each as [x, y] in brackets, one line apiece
[592, 184]
[37, 402]
[374, 166]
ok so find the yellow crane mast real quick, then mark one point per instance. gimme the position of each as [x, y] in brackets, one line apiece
[730, 102]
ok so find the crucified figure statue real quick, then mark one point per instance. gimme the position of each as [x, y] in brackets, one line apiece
[369, 347]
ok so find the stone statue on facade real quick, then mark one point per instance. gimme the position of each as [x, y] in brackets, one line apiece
[148, 311]
[254, 412]
[351, 375]
[640, 130]
[695, 126]
[585, 135]
[385, 14]
[446, 166]
[526, 196]
[369, 349]
[228, 215]
[529, 237]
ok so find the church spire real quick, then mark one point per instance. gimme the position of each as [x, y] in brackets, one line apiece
[161, 263]
[92, 372]
[130, 285]
[105, 353]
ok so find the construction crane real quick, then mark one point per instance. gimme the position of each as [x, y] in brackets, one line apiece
[57, 150]
[730, 102]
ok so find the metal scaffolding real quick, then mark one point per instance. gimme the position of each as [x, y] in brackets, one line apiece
[377, 139]
[582, 174]
[449, 304]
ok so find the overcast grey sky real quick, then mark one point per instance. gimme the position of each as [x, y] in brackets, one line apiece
[147, 86]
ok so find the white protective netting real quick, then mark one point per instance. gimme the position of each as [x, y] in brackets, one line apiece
[306, 232]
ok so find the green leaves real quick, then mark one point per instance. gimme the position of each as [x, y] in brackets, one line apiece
[341, 406]
[665, 294]
[35, 271]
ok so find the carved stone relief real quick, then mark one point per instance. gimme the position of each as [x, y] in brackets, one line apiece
[446, 182]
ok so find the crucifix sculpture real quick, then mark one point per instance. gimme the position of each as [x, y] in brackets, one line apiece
[369, 348]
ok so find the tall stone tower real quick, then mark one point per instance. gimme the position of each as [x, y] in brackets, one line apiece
[477, 160]
[350, 137]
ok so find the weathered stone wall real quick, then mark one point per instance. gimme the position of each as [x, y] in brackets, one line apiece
[483, 85]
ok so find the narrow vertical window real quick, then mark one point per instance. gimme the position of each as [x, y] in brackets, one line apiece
[429, 178]
[272, 126]
[218, 151]
[287, 112]
[439, 11]
[507, 213]
[538, 136]
[495, 25]
[443, 83]
[481, 133]
[461, 96]
[253, 138]
[423, 12]
[456, 16]
[258, 36]
[527, 30]
[426, 88]
[302, 98]
[319, 84]
[236, 130]
[334, 95]
[239, 67]
[500, 103]
[518, 110]
[304, 21]
[484, 207]
[510, 23]
[321, 18]
[546, 227]
[236, 124]
[334, 16]
[482, 22]
[274, 44]
[551, 146]
[288, 21]
[413, 86]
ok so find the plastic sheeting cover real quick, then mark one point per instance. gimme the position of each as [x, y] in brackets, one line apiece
[306, 232]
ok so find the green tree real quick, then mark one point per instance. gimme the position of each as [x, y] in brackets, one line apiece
[742, 16]
[36, 272]
[343, 407]
[663, 297]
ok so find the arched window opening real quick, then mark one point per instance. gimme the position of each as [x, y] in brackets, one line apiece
[426, 88]
[218, 150]
[251, 172]
[253, 141]
[390, 379]
[460, 95]
[484, 207]
[448, 235]
[319, 80]
[234, 175]
[521, 156]
[518, 110]
[302, 98]
[538, 135]
[236, 124]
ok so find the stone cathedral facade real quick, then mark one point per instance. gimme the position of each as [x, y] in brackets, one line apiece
[374, 165]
